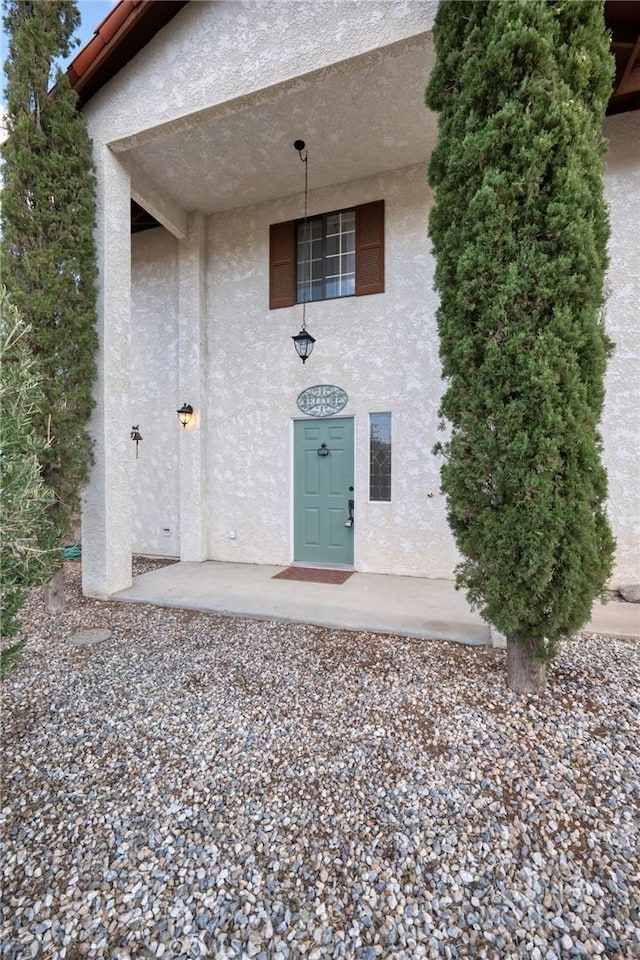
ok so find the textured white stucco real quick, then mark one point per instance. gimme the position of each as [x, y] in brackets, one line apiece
[154, 394]
[381, 349]
[217, 98]
[192, 362]
[213, 52]
[106, 513]
[621, 420]
[233, 85]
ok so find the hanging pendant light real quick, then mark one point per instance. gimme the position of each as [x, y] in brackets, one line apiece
[303, 341]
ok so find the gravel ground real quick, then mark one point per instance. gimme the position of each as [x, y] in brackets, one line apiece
[204, 786]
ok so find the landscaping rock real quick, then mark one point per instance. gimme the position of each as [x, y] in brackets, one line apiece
[89, 638]
[207, 786]
[630, 593]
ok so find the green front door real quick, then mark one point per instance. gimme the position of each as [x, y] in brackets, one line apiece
[323, 486]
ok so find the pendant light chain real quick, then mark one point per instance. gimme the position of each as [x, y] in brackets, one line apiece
[303, 341]
[307, 235]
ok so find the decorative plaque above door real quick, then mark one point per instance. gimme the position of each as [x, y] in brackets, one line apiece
[323, 400]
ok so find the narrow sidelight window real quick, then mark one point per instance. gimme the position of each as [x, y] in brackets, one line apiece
[379, 456]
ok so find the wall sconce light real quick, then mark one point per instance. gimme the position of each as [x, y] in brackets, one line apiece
[303, 343]
[185, 413]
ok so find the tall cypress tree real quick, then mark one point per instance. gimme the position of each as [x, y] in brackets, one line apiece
[519, 231]
[47, 250]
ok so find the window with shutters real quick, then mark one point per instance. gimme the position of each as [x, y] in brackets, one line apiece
[337, 254]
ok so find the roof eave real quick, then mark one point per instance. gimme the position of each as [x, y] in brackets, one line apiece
[121, 35]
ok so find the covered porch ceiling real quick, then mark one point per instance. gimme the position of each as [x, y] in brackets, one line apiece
[358, 118]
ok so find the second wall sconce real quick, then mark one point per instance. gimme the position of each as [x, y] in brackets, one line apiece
[185, 413]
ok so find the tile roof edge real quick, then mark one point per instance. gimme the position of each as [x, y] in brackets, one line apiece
[116, 40]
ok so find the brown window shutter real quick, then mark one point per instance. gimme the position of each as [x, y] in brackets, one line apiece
[282, 264]
[370, 248]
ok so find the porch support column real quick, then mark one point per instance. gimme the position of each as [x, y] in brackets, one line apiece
[106, 520]
[192, 309]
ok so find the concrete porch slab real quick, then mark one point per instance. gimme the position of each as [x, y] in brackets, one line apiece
[406, 606]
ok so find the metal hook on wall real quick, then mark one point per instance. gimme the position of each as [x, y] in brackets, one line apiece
[137, 436]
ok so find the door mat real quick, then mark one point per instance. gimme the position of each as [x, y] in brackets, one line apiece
[313, 575]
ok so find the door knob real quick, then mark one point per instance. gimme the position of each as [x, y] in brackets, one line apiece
[349, 520]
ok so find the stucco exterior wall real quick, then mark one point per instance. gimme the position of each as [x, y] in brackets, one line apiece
[213, 52]
[198, 327]
[154, 394]
[381, 349]
[211, 60]
[621, 419]
[106, 502]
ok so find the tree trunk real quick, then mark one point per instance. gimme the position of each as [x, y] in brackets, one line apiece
[525, 673]
[54, 597]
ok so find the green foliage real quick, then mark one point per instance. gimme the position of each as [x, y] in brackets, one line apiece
[9, 657]
[47, 251]
[519, 231]
[28, 555]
